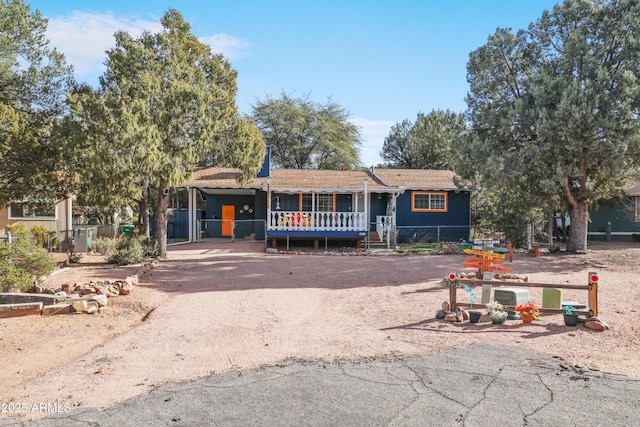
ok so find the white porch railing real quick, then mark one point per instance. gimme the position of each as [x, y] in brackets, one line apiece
[384, 226]
[316, 221]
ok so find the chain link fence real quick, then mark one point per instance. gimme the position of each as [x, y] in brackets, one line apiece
[232, 230]
[519, 235]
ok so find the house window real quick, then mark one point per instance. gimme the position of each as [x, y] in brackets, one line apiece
[307, 203]
[323, 202]
[423, 201]
[32, 210]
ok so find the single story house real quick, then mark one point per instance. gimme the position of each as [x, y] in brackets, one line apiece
[55, 216]
[362, 206]
[619, 221]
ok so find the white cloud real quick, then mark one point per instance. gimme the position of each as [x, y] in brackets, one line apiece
[373, 133]
[231, 47]
[84, 38]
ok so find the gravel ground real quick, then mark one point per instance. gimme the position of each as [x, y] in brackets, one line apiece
[213, 307]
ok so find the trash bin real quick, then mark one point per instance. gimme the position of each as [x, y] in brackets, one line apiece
[127, 229]
[84, 239]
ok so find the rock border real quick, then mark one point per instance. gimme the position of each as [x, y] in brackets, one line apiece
[88, 298]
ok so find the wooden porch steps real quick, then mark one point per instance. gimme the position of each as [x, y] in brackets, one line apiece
[374, 241]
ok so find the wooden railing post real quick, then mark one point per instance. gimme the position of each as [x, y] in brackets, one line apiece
[593, 293]
[452, 283]
[453, 291]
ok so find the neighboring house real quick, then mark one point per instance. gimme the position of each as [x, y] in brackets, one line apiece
[362, 206]
[55, 216]
[618, 221]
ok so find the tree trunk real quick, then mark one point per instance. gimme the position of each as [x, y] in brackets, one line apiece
[551, 226]
[579, 216]
[143, 206]
[161, 220]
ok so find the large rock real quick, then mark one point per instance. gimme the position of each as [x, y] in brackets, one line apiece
[100, 299]
[92, 307]
[88, 290]
[125, 288]
[79, 306]
[106, 291]
[133, 280]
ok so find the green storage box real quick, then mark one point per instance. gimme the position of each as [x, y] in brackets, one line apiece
[508, 296]
[552, 298]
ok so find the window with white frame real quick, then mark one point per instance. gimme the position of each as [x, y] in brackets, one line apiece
[323, 202]
[307, 203]
[428, 201]
[33, 210]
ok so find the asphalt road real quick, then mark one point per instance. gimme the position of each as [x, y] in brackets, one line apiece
[480, 385]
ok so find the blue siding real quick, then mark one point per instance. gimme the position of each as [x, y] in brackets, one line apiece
[244, 225]
[178, 227]
[453, 225]
[622, 219]
[265, 170]
[378, 207]
[344, 203]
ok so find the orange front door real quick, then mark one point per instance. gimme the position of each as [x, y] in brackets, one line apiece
[228, 216]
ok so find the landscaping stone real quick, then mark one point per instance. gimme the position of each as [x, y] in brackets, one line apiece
[100, 299]
[125, 288]
[594, 325]
[79, 306]
[17, 310]
[106, 291]
[20, 298]
[92, 307]
[90, 297]
[51, 310]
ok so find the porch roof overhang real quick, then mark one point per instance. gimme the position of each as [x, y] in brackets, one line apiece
[212, 180]
[331, 190]
[634, 190]
[229, 191]
[328, 181]
[418, 179]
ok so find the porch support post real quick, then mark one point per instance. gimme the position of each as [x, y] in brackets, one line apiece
[191, 213]
[394, 199]
[69, 217]
[366, 207]
[268, 220]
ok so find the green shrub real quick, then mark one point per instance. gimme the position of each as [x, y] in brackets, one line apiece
[106, 246]
[131, 250]
[149, 247]
[45, 237]
[23, 261]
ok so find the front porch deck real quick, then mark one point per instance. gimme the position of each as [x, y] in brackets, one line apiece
[316, 227]
[316, 223]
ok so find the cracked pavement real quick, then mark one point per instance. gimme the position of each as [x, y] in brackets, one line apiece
[479, 385]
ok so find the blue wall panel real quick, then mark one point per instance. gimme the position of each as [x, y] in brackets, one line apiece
[622, 219]
[423, 226]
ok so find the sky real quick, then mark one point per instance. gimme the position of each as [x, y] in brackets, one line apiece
[383, 61]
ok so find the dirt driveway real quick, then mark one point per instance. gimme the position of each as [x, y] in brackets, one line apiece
[215, 307]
